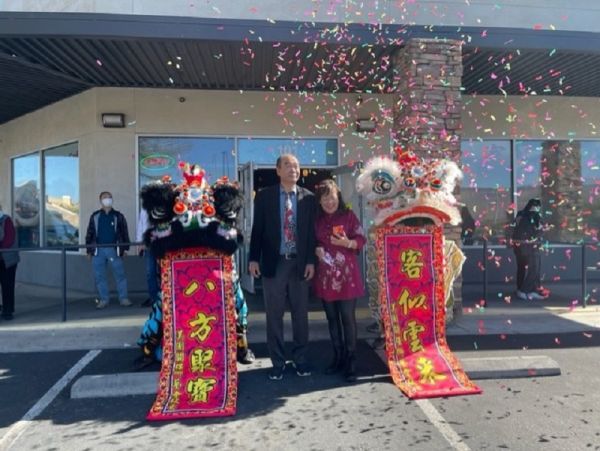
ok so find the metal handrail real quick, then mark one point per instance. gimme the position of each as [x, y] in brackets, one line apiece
[484, 247]
[63, 257]
[584, 268]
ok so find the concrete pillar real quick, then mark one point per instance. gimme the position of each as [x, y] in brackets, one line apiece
[427, 110]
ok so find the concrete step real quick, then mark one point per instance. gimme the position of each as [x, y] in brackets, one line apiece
[129, 384]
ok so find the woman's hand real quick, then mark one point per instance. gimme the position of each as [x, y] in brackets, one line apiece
[342, 240]
[320, 253]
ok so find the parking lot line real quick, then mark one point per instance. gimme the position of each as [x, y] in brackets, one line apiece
[442, 425]
[20, 426]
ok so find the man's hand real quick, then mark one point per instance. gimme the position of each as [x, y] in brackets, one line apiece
[254, 269]
[89, 256]
[309, 272]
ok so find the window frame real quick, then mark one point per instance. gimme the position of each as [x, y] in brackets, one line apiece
[41, 201]
[513, 158]
[236, 159]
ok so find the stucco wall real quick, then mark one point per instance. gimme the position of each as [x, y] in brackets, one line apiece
[533, 117]
[545, 14]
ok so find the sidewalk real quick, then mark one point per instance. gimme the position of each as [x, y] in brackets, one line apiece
[38, 327]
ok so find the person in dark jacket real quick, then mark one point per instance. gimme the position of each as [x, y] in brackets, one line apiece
[467, 226]
[282, 250]
[526, 242]
[8, 264]
[108, 226]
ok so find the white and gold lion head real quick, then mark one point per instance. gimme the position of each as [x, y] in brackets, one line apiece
[410, 187]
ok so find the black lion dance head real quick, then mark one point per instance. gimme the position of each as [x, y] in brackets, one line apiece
[193, 213]
[228, 200]
[158, 199]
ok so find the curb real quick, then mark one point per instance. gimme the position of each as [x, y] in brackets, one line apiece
[509, 367]
[131, 384]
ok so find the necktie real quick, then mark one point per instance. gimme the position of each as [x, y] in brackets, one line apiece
[289, 225]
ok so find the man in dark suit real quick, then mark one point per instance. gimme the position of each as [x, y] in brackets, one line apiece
[282, 250]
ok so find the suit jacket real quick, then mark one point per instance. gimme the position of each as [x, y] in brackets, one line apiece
[266, 230]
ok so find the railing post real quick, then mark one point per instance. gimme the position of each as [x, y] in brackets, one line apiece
[63, 258]
[583, 277]
[485, 274]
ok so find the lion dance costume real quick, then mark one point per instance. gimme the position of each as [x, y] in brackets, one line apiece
[198, 328]
[413, 269]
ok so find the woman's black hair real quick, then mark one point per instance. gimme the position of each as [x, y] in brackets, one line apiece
[325, 188]
[534, 202]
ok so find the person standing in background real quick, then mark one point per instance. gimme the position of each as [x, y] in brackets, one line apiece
[526, 243]
[108, 226]
[8, 264]
[150, 263]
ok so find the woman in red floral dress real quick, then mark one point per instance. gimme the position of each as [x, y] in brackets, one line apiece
[338, 281]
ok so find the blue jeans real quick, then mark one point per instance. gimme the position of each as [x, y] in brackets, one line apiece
[99, 261]
[151, 275]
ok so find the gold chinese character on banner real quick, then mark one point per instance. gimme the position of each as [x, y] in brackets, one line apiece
[200, 388]
[202, 326]
[427, 373]
[407, 303]
[412, 263]
[411, 333]
[201, 359]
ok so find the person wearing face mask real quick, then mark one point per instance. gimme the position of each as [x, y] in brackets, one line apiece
[338, 281]
[526, 242]
[8, 264]
[107, 226]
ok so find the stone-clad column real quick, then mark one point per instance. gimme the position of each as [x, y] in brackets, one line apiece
[561, 186]
[427, 111]
[427, 115]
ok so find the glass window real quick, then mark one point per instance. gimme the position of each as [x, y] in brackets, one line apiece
[310, 152]
[528, 170]
[564, 175]
[486, 187]
[61, 191]
[590, 176]
[26, 199]
[159, 156]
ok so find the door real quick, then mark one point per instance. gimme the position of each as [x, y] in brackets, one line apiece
[245, 177]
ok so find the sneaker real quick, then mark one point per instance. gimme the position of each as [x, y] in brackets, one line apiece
[101, 304]
[302, 369]
[536, 296]
[246, 358]
[276, 373]
[7, 316]
[142, 362]
[522, 295]
[125, 302]
[543, 291]
[146, 303]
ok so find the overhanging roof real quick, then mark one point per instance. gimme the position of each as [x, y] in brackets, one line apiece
[45, 57]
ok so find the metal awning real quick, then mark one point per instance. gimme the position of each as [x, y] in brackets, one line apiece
[45, 57]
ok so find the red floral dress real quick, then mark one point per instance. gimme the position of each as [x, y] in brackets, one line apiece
[338, 275]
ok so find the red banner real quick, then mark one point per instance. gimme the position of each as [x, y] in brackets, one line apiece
[413, 311]
[198, 377]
